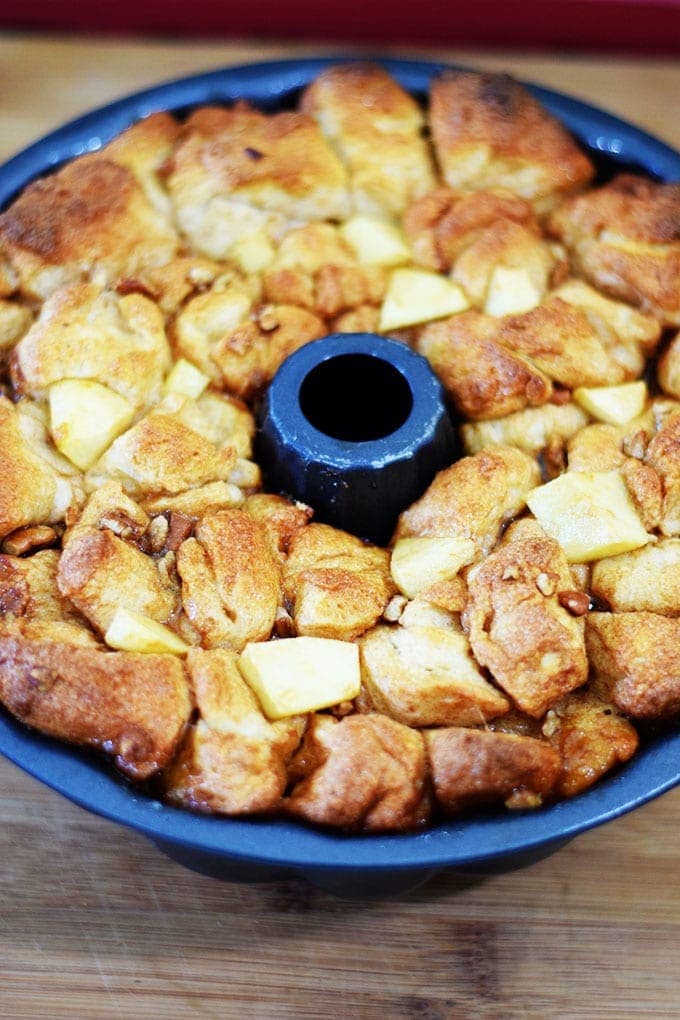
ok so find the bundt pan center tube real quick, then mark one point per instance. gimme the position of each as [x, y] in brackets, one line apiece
[356, 426]
[262, 848]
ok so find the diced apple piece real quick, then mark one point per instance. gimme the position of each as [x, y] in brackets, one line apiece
[133, 632]
[511, 292]
[418, 563]
[416, 295]
[185, 378]
[615, 405]
[253, 253]
[302, 674]
[85, 418]
[590, 514]
[375, 242]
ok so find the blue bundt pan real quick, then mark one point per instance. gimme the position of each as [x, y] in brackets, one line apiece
[251, 850]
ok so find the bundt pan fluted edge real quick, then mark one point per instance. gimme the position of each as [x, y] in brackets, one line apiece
[265, 849]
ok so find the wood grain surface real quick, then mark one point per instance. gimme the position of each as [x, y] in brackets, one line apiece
[95, 923]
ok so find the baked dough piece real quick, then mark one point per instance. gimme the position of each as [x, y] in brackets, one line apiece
[663, 455]
[532, 430]
[238, 173]
[484, 378]
[133, 707]
[38, 486]
[591, 738]
[669, 368]
[489, 131]
[443, 223]
[233, 760]
[337, 585]
[635, 658]
[86, 332]
[475, 767]
[426, 676]
[144, 149]
[28, 590]
[91, 216]
[473, 498]
[533, 647]
[645, 579]
[231, 585]
[625, 238]
[377, 129]
[15, 319]
[364, 773]
[281, 519]
[316, 269]
[236, 340]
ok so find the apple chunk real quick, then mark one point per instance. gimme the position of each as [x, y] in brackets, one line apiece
[615, 405]
[186, 379]
[133, 632]
[419, 562]
[590, 514]
[85, 418]
[511, 292]
[375, 242]
[302, 674]
[416, 295]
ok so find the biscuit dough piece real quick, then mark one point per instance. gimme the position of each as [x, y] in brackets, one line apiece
[663, 455]
[377, 129]
[625, 239]
[591, 738]
[338, 586]
[533, 647]
[473, 498]
[635, 658]
[316, 269]
[28, 589]
[489, 131]
[281, 518]
[365, 773]
[15, 319]
[646, 579]
[86, 332]
[91, 216]
[238, 173]
[133, 707]
[231, 585]
[669, 368]
[635, 329]
[144, 149]
[443, 223]
[98, 572]
[532, 430]
[484, 378]
[474, 767]
[426, 676]
[38, 486]
[233, 760]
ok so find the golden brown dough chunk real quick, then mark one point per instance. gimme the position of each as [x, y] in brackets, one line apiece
[92, 215]
[483, 378]
[230, 581]
[85, 332]
[443, 223]
[426, 676]
[625, 238]
[338, 585]
[533, 647]
[489, 131]
[570, 347]
[98, 572]
[37, 486]
[473, 498]
[233, 760]
[635, 330]
[669, 368]
[471, 767]
[645, 579]
[663, 455]
[281, 518]
[376, 128]
[133, 707]
[635, 658]
[238, 342]
[15, 319]
[173, 283]
[28, 589]
[144, 149]
[365, 773]
[316, 269]
[531, 430]
[591, 738]
[239, 173]
[167, 452]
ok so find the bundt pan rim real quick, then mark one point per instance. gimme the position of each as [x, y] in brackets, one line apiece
[270, 848]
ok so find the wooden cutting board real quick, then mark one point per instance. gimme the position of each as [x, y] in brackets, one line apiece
[95, 923]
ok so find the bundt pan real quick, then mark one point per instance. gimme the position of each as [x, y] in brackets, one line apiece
[265, 849]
